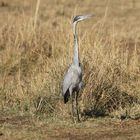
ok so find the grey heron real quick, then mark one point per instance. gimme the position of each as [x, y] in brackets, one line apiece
[73, 77]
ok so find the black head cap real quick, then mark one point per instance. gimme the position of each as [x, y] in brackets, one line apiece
[76, 18]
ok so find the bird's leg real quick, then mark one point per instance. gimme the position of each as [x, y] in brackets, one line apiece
[72, 106]
[72, 109]
[77, 109]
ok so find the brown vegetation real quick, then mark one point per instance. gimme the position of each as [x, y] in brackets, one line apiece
[36, 46]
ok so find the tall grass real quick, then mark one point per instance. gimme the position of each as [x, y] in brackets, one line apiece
[36, 12]
[33, 64]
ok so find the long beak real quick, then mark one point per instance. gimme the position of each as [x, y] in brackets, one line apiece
[87, 16]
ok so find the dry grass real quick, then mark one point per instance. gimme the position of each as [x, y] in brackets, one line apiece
[36, 48]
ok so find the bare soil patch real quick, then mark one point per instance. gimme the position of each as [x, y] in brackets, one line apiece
[91, 129]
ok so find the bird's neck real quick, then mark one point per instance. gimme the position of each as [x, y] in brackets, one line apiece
[76, 51]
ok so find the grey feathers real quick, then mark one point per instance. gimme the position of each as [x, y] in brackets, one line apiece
[73, 77]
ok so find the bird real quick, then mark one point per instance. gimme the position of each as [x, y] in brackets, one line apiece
[72, 83]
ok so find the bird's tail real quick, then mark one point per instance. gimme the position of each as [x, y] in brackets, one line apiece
[66, 97]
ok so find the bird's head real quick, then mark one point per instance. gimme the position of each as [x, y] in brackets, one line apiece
[78, 18]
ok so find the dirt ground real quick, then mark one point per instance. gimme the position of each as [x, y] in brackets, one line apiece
[23, 127]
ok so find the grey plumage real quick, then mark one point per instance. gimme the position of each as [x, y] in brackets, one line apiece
[73, 78]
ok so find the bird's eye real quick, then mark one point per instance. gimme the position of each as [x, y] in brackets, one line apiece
[76, 18]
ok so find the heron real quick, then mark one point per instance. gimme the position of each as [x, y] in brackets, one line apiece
[72, 82]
